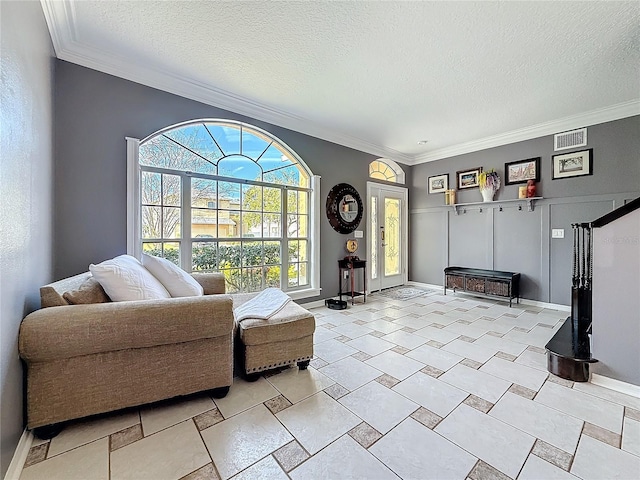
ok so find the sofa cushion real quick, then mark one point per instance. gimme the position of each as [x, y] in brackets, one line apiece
[125, 278]
[89, 292]
[177, 282]
[51, 294]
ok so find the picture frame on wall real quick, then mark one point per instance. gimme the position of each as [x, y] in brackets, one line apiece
[522, 171]
[438, 183]
[468, 178]
[574, 164]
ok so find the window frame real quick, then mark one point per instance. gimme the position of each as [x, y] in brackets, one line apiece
[134, 208]
[390, 165]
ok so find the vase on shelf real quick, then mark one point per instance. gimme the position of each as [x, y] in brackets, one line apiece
[489, 183]
[487, 194]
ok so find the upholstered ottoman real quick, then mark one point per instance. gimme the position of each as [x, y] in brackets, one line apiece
[283, 339]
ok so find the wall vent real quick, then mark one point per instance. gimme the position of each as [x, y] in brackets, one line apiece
[574, 138]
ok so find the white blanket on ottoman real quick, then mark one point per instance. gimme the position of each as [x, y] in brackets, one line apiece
[263, 306]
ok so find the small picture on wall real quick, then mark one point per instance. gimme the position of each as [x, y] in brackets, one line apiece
[522, 171]
[438, 183]
[468, 178]
[573, 164]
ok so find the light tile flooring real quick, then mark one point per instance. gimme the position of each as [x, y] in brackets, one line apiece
[436, 387]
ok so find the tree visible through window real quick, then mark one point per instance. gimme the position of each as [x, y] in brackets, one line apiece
[225, 196]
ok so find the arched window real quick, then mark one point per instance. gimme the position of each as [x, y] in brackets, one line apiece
[220, 195]
[385, 169]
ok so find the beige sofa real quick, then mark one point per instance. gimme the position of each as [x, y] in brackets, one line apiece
[93, 358]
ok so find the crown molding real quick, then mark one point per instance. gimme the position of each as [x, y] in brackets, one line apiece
[593, 117]
[60, 19]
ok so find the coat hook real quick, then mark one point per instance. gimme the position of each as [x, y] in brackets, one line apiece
[500, 208]
[520, 207]
[464, 210]
[480, 210]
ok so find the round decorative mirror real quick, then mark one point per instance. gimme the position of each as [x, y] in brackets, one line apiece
[344, 208]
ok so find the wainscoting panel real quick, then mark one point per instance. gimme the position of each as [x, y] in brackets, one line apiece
[428, 246]
[517, 245]
[470, 238]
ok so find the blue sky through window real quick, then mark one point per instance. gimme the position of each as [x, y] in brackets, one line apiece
[216, 149]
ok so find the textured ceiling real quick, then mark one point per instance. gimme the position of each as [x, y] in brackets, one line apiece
[378, 76]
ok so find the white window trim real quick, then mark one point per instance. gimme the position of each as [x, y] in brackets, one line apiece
[134, 228]
[134, 246]
[397, 169]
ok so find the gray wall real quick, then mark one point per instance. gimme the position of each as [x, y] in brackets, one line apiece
[517, 240]
[616, 309]
[26, 180]
[94, 113]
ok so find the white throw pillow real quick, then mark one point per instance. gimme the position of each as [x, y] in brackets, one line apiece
[177, 282]
[125, 278]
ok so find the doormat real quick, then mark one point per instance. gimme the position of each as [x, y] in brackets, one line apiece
[406, 293]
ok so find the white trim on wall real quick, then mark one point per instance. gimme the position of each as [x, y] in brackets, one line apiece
[19, 456]
[617, 385]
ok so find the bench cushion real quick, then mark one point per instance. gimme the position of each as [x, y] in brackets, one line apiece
[290, 323]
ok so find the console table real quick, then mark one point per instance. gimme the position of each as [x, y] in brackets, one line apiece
[350, 265]
[491, 283]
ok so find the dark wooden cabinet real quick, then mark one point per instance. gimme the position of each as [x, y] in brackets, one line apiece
[492, 283]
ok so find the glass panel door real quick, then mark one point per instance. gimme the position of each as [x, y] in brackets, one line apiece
[392, 233]
[387, 231]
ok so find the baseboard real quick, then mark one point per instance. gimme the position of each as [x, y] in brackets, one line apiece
[19, 456]
[314, 304]
[617, 385]
[523, 301]
[425, 285]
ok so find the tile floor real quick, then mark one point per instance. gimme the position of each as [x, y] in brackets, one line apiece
[436, 387]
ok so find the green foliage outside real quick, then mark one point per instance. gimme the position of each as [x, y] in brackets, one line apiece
[241, 265]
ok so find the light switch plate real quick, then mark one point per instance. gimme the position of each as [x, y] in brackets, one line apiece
[557, 233]
[358, 234]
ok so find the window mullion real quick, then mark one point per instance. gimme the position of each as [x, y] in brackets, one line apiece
[185, 213]
[284, 245]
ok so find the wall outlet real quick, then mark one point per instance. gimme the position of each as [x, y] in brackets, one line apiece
[557, 233]
[358, 234]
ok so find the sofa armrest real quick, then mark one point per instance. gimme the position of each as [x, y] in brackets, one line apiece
[212, 282]
[75, 330]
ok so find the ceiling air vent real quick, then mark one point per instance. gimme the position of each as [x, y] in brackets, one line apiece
[574, 138]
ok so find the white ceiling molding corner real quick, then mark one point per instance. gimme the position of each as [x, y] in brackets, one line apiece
[60, 18]
[594, 117]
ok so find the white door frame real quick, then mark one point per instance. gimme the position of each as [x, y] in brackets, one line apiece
[404, 193]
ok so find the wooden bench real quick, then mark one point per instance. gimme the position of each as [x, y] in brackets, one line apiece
[477, 281]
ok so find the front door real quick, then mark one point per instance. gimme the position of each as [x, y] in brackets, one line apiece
[387, 234]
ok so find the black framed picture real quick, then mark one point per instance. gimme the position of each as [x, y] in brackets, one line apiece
[438, 183]
[468, 178]
[522, 171]
[574, 164]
